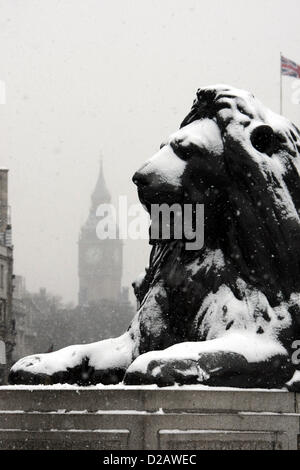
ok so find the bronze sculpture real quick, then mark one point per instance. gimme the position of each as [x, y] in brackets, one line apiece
[227, 314]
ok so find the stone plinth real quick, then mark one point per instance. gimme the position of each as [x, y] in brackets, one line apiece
[181, 418]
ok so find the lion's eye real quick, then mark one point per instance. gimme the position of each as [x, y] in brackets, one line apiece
[263, 140]
[182, 151]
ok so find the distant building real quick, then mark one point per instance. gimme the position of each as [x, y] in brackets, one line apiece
[39, 325]
[100, 266]
[100, 261]
[23, 313]
[7, 323]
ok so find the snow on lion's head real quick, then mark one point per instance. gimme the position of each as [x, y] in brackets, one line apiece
[241, 161]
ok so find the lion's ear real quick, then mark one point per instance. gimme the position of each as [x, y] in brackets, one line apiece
[263, 139]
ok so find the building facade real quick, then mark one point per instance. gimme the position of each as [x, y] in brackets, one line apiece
[100, 261]
[23, 315]
[7, 322]
[104, 309]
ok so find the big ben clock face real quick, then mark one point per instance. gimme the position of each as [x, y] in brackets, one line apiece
[93, 255]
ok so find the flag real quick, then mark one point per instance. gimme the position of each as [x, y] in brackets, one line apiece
[289, 68]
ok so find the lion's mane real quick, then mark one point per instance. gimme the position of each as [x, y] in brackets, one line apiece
[252, 220]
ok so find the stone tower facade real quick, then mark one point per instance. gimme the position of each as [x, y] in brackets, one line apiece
[100, 261]
[7, 322]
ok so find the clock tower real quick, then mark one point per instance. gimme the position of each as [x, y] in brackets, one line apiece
[100, 261]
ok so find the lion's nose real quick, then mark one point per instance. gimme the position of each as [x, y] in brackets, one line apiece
[141, 179]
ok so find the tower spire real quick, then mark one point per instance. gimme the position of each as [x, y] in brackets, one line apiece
[100, 261]
[100, 194]
[101, 163]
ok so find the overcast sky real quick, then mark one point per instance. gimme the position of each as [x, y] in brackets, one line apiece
[115, 76]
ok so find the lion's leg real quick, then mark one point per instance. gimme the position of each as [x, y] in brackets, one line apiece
[102, 362]
[238, 360]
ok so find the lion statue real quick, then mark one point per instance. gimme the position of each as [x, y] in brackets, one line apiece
[227, 314]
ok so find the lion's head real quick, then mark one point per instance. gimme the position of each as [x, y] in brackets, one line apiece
[242, 162]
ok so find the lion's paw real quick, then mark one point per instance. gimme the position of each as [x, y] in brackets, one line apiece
[150, 369]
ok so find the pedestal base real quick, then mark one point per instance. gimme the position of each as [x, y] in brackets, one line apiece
[177, 418]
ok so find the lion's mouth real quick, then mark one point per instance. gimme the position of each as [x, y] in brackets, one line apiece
[145, 202]
[150, 198]
[170, 219]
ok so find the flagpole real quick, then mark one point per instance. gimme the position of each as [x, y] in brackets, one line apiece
[281, 83]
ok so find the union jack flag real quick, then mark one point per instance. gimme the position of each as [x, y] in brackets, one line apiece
[289, 68]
